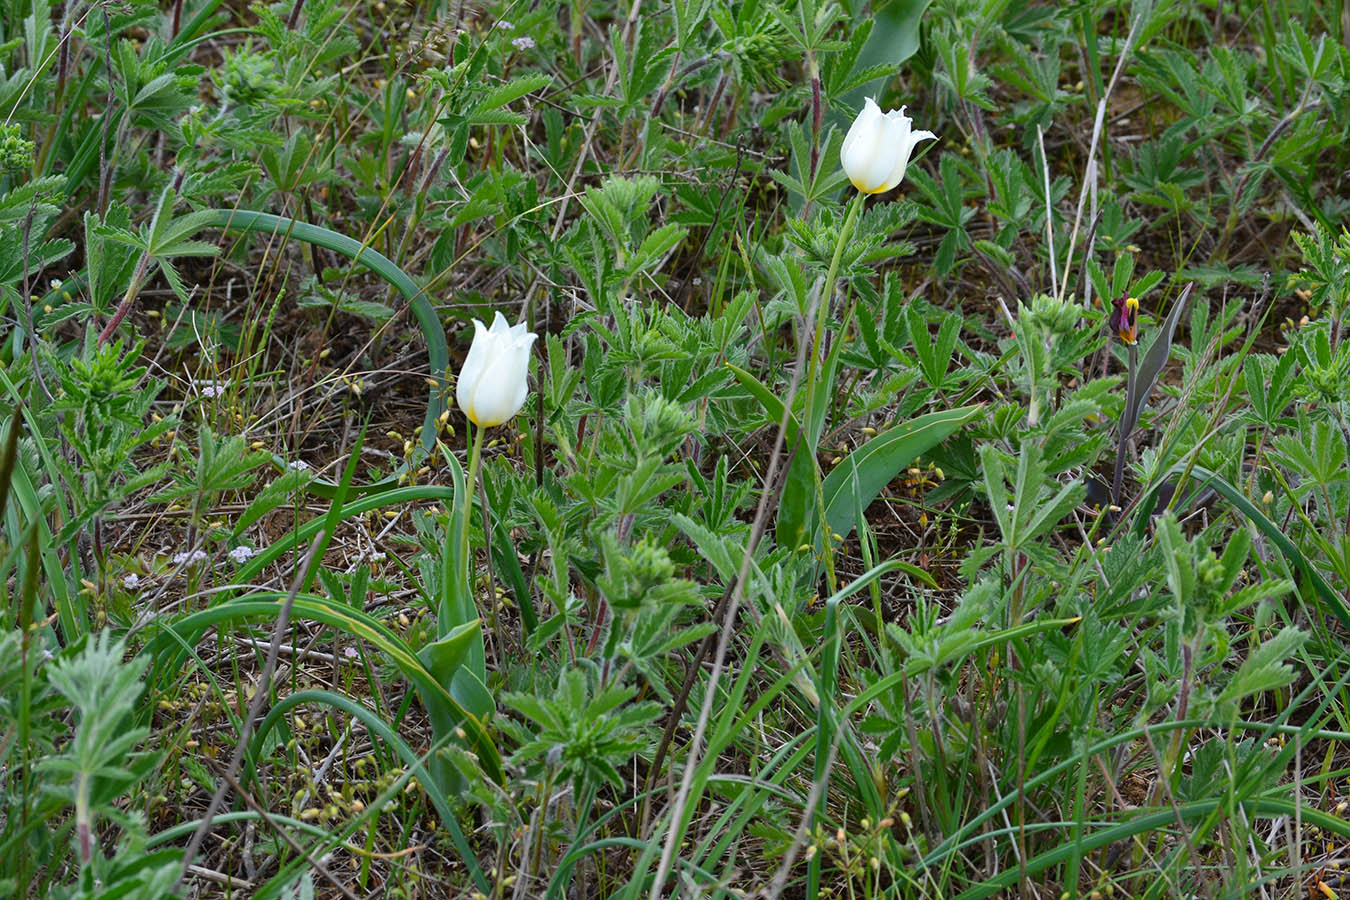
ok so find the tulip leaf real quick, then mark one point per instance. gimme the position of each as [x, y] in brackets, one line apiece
[859, 478]
[455, 604]
[798, 507]
[1141, 386]
[773, 407]
[894, 39]
[437, 697]
[428, 320]
[798, 499]
[442, 657]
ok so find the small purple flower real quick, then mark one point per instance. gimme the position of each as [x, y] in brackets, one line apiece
[350, 653]
[242, 554]
[189, 558]
[505, 26]
[523, 43]
[298, 465]
[1125, 319]
[131, 581]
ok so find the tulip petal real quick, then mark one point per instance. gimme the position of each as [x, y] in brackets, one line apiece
[499, 394]
[866, 157]
[472, 370]
[915, 137]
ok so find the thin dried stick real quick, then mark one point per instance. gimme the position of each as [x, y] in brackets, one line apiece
[254, 710]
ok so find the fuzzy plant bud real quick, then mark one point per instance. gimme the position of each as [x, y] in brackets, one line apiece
[492, 384]
[877, 148]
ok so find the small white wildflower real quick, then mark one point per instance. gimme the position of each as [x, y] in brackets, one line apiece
[131, 581]
[56, 284]
[350, 653]
[242, 555]
[298, 465]
[505, 26]
[523, 43]
[376, 556]
[210, 391]
[187, 559]
[697, 281]
[48, 656]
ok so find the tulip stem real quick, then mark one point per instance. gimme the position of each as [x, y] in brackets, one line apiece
[1118, 478]
[471, 487]
[823, 312]
[813, 428]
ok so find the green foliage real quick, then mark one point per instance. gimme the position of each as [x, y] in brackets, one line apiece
[581, 733]
[585, 652]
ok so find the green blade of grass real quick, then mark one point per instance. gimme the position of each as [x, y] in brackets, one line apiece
[380, 728]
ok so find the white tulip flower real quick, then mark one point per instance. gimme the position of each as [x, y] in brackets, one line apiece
[877, 147]
[491, 387]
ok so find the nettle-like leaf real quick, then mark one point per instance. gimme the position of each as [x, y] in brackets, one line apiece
[1264, 669]
[104, 690]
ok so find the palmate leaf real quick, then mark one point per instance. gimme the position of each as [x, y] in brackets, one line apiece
[1265, 668]
[1332, 602]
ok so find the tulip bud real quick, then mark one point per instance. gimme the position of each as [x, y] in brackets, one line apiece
[491, 387]
[877, 147]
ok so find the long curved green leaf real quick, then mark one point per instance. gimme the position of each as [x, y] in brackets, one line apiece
[351, 621]
[438, 350]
